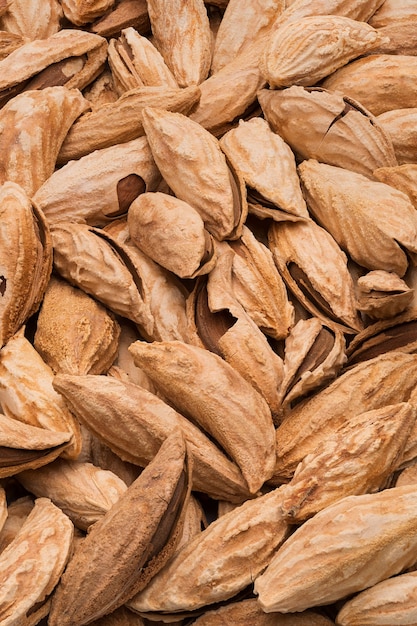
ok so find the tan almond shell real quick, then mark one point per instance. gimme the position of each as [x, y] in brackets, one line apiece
[98, 581]
[76, 250]
[31, 565]
[82, 491]
[221, 561]
[390, 12]
[258, 286]
[125, 77]
[319, 124]
[305, 51]
[238, 340]
[400, 125]
[209, 390]
[25, 259]
[120, 617]
[361, 10]
[266, 164]
[400, 37]
[38, 20]
[327, 558]
[185, 152]
[302, 376]
[141, 61]
[402, 177]
[27, 395]
[81, 12]
[393, 78]
[383, 295]
[101, 90]
[99, 186]
[242, 23]
[34, 125]
[392, 601]
[248, 611]
[125, 13]
[162, 292]
[312, 249]
[357, 459]
[194, 522]
[75, 334]
[408, 476]
[8, 43]
[100, 455]
[172, 233]
[17, 512]
[3, 509]
[373, 222]
[121, 121]
[35, 56]
[123, 367]
[386, 379]
[134, 422]
[181, 32]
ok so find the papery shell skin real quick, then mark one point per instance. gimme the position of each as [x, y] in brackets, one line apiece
[33, 126]
[36, 20]
[319, 124]
[258, 286]
[182, 34]
[172, 233]
[402, 177]
[75, 334]
[103, 404]
[303, 52]
[193, 165]
[81, 12]
[25, 260]
[28, 447]
[82, 491]
[121, 121]
[220, 561]
[241, 24]
[27, 395]
[393, 78]
[400, 124]
[239, 614]
[357, 459]
[103, 573]
[144, 64]
[33, 57]
[266, 164]
[31, 565]
[386, 379]
[88, 259]
[327, 558]
[371, 221]
[206, 388]
[312, 249]
[163, 294]
[99, 186]
[392, 601]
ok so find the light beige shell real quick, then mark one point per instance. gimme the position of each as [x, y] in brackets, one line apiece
[37, 20]
[17, 512]
[390, 11]
[305, 51]
[82, 491]
[33, 126]
[392, 601]
[266, 164]
[81, 12]
[181, 32]
[104, 403]
[393, 79]
[327, 558]
[121, 121]
[8, 43]
[99, 186]
[382, 295]
[202, 385]
[371, 221]
[27, 395]
[319, 124]
[220, 561]
[400, 124]
[31, 565]
[101, 90]
[193, 165]
[402, 177]
[172, 233]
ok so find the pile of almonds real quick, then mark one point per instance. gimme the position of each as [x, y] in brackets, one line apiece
[208, 312]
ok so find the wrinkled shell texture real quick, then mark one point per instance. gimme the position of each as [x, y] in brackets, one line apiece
[208, 312]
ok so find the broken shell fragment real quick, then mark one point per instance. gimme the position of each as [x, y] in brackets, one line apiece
[382, 295]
